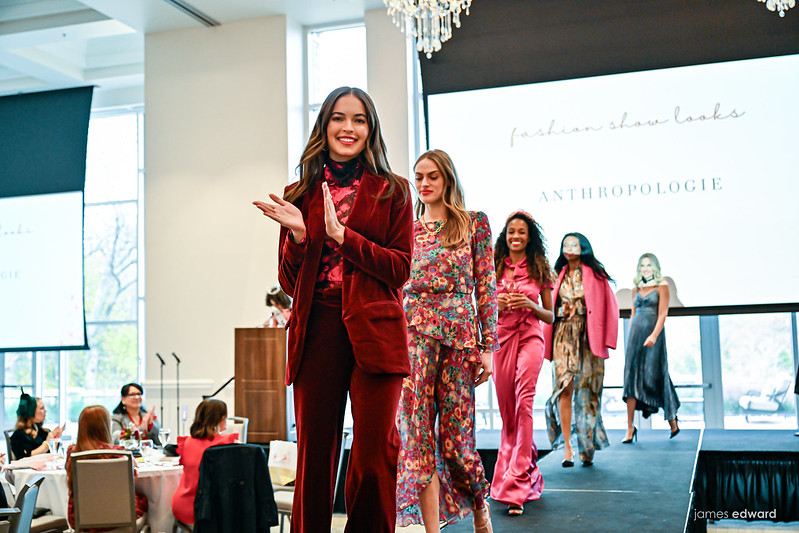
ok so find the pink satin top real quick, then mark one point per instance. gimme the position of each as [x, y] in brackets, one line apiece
[522, 321]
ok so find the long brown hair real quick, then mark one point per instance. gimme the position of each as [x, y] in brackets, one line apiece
[536, 252]
[207, 417]
[373, 157]
[459, 225]
[94, 433]
[94, 429]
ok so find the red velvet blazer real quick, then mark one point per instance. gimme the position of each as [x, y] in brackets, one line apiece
[602, 318]
[376, 255]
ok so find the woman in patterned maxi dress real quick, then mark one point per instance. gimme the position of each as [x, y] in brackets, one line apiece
[440, 475]
[586, 326]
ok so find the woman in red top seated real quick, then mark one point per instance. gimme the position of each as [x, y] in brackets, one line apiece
[94, 433]
[210, 419]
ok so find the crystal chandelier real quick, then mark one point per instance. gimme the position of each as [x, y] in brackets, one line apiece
[781, 5]
[429, 21]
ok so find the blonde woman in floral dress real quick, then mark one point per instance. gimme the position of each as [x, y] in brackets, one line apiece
[440, 476]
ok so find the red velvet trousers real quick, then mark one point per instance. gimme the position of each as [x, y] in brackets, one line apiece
[327, 373]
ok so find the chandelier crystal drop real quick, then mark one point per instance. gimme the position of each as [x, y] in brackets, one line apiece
[779, 5]
[430, 21]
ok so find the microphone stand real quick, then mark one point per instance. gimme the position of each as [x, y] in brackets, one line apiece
[177, 389]
[158, 355]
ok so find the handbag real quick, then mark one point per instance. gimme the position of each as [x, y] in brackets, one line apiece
[282, 462]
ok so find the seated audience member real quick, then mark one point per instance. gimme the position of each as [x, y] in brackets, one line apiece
[210, 419]
[280, 303]
[94, 433]
[29, 437]
[130, 412]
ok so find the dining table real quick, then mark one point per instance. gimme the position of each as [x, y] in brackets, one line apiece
[157, 479]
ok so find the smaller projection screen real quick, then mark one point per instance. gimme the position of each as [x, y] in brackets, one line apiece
[697, 165]
[41, 271]
[42, 175]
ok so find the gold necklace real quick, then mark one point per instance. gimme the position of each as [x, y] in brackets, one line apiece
[434, 232]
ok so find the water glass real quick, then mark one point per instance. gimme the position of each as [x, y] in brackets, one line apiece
[147, 450]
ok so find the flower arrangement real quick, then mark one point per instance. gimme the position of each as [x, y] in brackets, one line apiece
[130, 433]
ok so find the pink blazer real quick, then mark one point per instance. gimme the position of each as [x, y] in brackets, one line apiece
[376, 255]
[602, 314]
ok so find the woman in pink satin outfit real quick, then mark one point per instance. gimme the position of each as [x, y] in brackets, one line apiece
[524, 279]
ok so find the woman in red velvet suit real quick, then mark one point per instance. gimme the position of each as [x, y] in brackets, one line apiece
[345, 252]
[586, 325]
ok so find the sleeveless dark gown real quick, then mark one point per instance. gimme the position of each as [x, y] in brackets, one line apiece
[646, 369]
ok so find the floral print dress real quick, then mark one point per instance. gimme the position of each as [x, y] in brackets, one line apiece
[446, 337]
[572, 360]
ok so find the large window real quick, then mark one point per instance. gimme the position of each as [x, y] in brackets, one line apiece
[757, 368]
[685, 369]
[757, 362]
[336, 58]
[68, 381]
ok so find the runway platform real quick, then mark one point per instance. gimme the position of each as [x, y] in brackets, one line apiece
[746, 474]
[656, 484]
[630, 487]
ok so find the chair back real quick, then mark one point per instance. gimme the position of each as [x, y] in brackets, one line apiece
[102, 489]
[780, 390]
[8, 433]
[234, 492]
[238, 424]
[26, 503]
[8, 514]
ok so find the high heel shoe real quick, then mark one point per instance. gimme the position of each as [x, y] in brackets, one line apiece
[567, 463]
[674, 431]
[485, 527]
[634, 437]
[515, 510]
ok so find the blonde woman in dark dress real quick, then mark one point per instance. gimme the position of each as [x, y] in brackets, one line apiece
[647, 384]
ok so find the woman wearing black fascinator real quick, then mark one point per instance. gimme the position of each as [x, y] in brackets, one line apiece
[30, 437]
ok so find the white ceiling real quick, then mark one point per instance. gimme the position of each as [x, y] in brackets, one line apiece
[54, 44]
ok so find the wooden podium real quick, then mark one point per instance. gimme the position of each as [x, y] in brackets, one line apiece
[260, 382]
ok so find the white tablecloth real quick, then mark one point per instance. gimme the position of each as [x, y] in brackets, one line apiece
[157, 482]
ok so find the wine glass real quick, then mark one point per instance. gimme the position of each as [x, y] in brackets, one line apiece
[55, 446]
[509, 285]
[165, 432]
